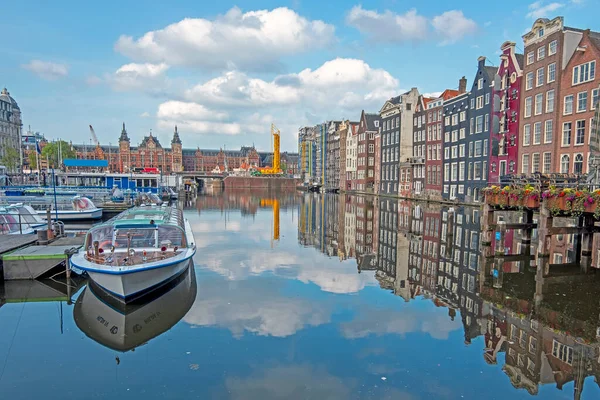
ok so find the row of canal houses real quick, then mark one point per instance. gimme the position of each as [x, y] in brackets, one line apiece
[532, 113]
[430, 251]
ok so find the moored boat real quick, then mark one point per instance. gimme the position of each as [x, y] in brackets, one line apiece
[82, 208]
[10, 224]
[140, 250]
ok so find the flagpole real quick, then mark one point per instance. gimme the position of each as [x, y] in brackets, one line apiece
[37, 160]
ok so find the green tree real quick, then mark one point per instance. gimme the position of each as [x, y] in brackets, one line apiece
[32, 160]
[51, 152]
[11, 159]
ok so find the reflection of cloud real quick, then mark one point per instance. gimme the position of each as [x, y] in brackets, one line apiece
[382, 322]
[289, 382]
[255, 307]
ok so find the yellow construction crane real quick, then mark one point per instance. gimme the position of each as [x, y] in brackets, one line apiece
[274, 169]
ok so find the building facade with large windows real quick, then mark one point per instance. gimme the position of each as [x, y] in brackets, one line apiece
[10, 125]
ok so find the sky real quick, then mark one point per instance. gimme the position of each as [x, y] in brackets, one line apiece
[224, 71]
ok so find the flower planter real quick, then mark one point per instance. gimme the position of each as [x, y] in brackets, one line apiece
[532, 202]
[590, 208]
[557, 203]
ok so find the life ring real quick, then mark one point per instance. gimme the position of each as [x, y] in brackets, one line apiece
[105, 243]
[81, 204]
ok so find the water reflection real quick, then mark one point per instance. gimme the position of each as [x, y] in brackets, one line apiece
[548, 332]
[124, 327]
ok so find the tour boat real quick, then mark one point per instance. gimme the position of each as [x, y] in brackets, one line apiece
[123, 327]
[138, 251]
[82, 209]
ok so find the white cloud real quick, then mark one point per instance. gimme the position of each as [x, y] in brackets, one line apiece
[539, 10]
[337, 89]
[187, 111]
[145, 114]
[47, 70]
[133, 76]
[453, 26]
[252, 40]
[388, 26]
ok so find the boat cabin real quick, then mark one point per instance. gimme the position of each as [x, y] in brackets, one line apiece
[139, 235]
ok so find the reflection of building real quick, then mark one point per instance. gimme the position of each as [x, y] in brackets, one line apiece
[387, 235]
[10, 124]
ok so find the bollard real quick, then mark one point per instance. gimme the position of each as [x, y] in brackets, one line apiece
[20, 225]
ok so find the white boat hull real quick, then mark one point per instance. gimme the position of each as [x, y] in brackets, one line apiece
[70, 215]
[128, 287]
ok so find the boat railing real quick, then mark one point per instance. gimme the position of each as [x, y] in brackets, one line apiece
[8, 227]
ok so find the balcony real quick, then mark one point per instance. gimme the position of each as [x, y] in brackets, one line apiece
[416, 160]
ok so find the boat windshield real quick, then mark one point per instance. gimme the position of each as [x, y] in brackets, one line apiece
[103, 235]
[82, 203]
[170, 236]
[140, 237]
[26, 215]
[9, 223]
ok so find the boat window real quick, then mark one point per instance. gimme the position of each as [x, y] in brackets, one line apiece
[101, 234]
[170, 236]
[153, 182]
[26, 215]
[139, 238]
[83, 203]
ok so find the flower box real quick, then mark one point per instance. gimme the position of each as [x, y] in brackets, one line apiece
[532, 202]
[559, 203]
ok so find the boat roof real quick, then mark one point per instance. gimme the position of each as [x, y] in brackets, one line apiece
[147, 215]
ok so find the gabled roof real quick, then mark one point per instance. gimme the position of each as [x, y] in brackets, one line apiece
[370, 120]
[520, 59]
[147, 138]
[391, 103]
[595, 39]
[490, 72]
[449, 93]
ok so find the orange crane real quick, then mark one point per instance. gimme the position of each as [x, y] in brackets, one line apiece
[275, 169]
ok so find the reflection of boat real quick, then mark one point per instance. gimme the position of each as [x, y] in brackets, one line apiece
[82, 209]
[138, 251]
[124, 327]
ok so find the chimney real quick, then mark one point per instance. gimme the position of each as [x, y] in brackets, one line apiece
[481, 61]
[462, 85]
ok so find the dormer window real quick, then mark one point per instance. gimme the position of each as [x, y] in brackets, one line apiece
[541, 32]
[376, 124]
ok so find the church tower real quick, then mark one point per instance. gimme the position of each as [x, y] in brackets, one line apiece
[124, 152]
[177, 152]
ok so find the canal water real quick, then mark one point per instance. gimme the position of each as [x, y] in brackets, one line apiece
[307, 296]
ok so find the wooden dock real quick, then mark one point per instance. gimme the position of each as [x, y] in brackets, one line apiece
[27, 261]
[10, 243]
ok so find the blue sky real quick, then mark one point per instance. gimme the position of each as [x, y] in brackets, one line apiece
[223, 71]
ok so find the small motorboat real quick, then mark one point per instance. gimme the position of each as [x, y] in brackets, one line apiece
[82, 209]
[10, 225]
[29, 215]
[123, 327]
[148, 199]
[138, 251]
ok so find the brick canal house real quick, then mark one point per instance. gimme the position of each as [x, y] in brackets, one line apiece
[546, 45]
[506, 111]
[434, 142]
[344, 129]
[419, 146]
[578, 101]
[365, 167]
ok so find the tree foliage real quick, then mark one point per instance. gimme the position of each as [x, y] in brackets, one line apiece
[32, 160]
[51, 152]
[11, 159]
